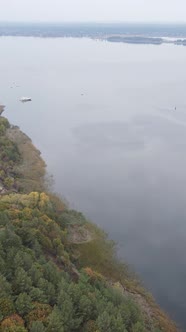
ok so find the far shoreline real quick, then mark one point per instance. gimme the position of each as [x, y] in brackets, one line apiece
[132, 33]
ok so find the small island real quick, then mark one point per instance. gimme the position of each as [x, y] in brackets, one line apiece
[135, 40]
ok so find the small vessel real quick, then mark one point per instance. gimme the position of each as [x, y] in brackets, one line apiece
[25, 99]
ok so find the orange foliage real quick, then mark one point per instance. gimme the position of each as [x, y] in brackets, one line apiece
[6, 306]
[46, 219]
[13, 320]
[14, 213]
[39, 313]
[89, 271]
[44, 200]
[27, 212]
[90, 326]
[93, 274]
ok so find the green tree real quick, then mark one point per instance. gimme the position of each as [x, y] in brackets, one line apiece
[37, 327]
[38, 295]
[118, 324]
[65, 307]
[104, 322]
[138, 327]
[5, 287]
[85, 308]
[22, 282]
[35, 273]
[51, 274]
[48, 289]
[23, 304]
[55, 322]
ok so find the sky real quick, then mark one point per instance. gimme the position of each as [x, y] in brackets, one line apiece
[93, 10]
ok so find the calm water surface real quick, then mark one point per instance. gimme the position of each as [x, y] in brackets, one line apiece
[103, 116]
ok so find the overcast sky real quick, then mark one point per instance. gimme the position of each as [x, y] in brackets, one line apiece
[93, 10]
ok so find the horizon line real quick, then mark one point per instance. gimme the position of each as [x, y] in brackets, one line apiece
[94, 22]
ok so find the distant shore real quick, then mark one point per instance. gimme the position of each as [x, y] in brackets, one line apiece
[155, 34]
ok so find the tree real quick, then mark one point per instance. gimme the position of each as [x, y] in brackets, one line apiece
[5, 287]
[37, 327]
[35, 273]
[23, 304]
[104, 322]
[24, 259]
[85, 308]
[13, 323]
[90, 326]
[55, 323]
[138, 327]
[22, 282]
[48, 289]
[39, 313]
[6, 306]
[118, 324]
[65, 307]
[51, 273]
[37, 295]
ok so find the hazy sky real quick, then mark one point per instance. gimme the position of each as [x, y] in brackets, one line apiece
[93, 10]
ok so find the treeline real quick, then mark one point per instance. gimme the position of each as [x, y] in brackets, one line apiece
[9, 158]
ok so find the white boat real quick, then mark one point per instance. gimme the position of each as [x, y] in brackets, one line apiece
[25, 99]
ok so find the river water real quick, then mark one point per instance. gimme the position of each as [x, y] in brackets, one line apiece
[103, 116]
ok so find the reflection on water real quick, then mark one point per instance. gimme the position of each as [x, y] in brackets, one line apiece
[104, 117]
[109, 135]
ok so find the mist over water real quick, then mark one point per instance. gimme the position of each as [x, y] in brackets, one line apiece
[103, 116]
